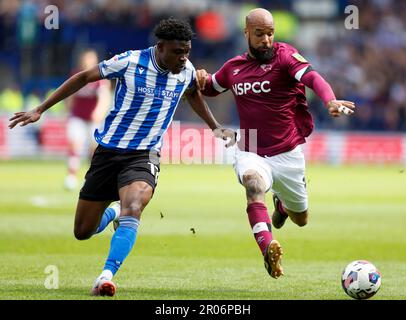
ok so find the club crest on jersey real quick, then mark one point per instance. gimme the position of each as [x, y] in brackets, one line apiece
[122, 55]
[116, 58]
[266, 67]
[298, 57]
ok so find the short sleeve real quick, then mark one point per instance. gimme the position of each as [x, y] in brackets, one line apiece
[220, 79]
[116, 66]
[295, 63]
[192, 79]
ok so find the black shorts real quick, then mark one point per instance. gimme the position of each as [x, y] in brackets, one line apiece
[111, 170]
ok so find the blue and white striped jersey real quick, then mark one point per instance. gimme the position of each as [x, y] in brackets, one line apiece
[145, 100]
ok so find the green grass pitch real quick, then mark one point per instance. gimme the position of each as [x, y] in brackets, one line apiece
[356, 212]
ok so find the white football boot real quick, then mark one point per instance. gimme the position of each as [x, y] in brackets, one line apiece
[103, 287]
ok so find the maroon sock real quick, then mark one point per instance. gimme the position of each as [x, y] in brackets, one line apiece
[260, 224]
[281, 208]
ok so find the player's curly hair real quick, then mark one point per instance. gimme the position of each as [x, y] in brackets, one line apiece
[174, 29]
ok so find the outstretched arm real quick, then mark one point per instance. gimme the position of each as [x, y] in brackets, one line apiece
[199, 105]
[335, 107]
[70, 86]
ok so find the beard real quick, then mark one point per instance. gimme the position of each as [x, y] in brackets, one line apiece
[262, 56]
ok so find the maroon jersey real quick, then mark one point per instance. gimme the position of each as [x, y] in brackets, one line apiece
[85, 100]
[269, 99]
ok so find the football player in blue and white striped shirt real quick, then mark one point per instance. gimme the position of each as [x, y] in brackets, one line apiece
[125, 165]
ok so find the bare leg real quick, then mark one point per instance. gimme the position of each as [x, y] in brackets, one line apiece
[281, 213]
[87, 218]
[133, 198]
[254, 187]
[299, 218]
[258, 216]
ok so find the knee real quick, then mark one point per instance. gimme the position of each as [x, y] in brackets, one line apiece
[134, 207]
[81, 233]
[135, 198]
[301, 219]
[254, 184]
[301, 223]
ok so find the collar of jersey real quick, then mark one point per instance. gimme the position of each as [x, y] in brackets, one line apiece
[155, 64]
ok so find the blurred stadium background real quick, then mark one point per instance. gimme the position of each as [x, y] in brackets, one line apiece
[356, 176]
[367, 65]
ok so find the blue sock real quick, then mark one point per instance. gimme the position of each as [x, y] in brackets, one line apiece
[122, 242]
[108, 216]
